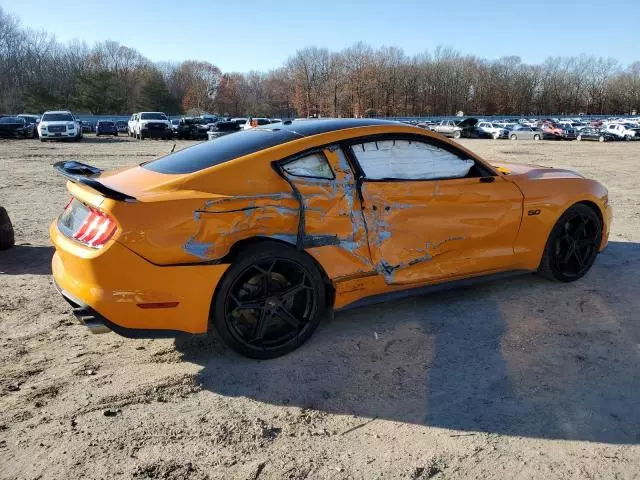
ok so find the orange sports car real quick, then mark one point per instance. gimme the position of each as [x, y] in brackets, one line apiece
[260, 233]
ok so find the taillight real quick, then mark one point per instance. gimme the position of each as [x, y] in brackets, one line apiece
[86, 224]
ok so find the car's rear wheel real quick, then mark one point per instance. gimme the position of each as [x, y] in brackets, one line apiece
[536, 137]
[513, 137]
[573, 245]
[456, 135]
[269, 302]
[579, 138]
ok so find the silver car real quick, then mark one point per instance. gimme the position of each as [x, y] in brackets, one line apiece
[521, 132]
[448, 128]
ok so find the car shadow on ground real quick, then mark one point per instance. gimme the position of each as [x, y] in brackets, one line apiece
[105, 139]
[26, 259]
[522, 357]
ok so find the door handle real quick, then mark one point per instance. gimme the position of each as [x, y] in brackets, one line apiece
[487, 179]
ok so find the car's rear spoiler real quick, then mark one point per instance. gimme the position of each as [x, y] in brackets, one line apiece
[85, 175]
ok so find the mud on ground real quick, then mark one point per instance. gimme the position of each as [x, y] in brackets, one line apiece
[519, 378]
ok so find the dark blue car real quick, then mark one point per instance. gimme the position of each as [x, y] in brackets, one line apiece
[106, 127]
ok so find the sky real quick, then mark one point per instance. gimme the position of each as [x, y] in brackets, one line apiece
[244, 35]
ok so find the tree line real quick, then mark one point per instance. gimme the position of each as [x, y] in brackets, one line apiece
[39, 73]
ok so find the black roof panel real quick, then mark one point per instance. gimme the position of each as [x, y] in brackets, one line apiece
[235, 145]
[316, 127]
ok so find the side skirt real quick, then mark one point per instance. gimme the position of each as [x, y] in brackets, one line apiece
[440, 287]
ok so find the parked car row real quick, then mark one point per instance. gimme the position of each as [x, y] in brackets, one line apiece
[56, 125]
[547, 129]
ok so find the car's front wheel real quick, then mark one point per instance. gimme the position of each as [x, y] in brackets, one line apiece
[269, 302]
[601, 138]
[513, 136]
[573, 244]
[536, 137]
[457, 134]
[579, 138]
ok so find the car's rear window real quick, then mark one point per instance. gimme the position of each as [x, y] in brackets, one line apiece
[220, 150]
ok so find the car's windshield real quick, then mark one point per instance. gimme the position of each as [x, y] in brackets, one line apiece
[153, 116]
[57, 117]
[11, 120]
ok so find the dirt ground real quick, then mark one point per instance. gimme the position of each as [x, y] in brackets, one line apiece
[520, 378]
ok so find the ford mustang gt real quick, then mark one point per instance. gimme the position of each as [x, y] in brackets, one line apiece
[259, 234]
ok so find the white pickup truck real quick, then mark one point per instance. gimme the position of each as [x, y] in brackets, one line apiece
[622, 131]
[150, 125]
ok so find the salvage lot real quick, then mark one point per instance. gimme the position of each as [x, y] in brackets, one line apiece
[515, 378]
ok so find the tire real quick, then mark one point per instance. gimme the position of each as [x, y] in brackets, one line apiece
[579, 138]
[457, 134]
[115, 134]
[290, 318]
[494, 136]
[513, 136]
[536, 137]
[7, 237]
[627, 138]
[601, 138]
[42, 139]
[572, 245]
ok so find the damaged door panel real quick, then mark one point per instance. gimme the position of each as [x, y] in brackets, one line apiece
[334, 230]
[422, 231]
[432, 212]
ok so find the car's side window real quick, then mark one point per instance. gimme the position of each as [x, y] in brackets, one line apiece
[408, 160]
[313, 165]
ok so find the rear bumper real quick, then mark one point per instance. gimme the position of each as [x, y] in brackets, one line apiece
[85, 315]
[115, 289]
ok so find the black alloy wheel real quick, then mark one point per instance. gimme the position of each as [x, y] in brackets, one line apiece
[270, 302]
[573, 244]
